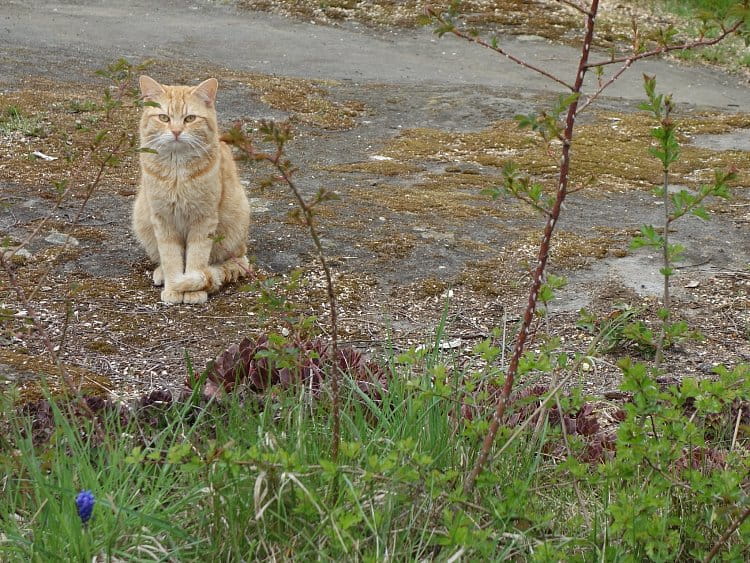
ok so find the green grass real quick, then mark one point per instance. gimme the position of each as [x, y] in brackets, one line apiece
[12, 120]
[731, 53]
[235, 481]
[245, 480]
[687, 8]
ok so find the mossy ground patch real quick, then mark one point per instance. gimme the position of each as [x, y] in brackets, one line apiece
[438, 232]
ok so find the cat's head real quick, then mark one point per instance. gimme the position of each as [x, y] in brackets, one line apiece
[180, 119]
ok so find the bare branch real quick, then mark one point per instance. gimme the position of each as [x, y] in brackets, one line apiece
[499, 50]
[279, 135]
[605, 85]
[575, 6]
[722, 540]
[308, 214]
[543, 256]
[629, 60]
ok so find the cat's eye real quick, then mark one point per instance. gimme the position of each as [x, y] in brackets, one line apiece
[164, 117]
[189, 118]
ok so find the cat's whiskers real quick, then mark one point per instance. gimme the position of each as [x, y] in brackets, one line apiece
[197, 144]
[186, 148]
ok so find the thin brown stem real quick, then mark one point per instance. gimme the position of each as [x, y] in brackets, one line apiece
[542, 258]
[629, 60]
[81, 208]
[590, 99]
[574, 5]
[39, 327]
[279, 136]
[310, 222]
[500, 50]
[667, 265]
[723, 539]
[27, 299]
[687, 46]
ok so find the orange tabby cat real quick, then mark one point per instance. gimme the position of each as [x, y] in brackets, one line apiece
[191, 213]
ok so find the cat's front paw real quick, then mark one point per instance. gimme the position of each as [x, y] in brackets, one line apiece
[194, 297]
[158, 276]
[172, 297]
[190, 281]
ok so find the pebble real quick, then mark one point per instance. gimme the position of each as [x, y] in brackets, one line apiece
[61, 238]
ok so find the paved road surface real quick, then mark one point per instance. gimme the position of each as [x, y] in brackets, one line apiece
[96, 32]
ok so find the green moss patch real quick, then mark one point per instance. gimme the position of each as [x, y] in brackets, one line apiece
[40, 375]
[376, 168]
[609, 154]
[307, 100]
[550, 20]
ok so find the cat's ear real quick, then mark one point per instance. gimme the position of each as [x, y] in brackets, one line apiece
[150, 88]
[206, 91]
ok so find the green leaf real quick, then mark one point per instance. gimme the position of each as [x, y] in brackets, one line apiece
[701, 213]
[177, 452]
[556, 282]
[135, 456]
[329, 467]
[546, 294]
[526, 121]
[349, 519]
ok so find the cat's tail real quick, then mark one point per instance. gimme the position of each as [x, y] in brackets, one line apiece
[210, 279]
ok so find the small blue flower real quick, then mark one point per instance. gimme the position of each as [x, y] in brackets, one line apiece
[85, 504]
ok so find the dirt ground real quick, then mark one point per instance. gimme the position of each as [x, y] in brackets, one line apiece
[407, 133]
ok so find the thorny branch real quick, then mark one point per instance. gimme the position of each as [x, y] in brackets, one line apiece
[573, 109]
[279, 134]
[542, 257]
[629, 60]
[703, 42]
[27, 300]
[723, 539]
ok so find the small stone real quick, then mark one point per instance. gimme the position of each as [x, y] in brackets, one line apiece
[527, 38]
[258, 205]
[61, 238]
[18, 256]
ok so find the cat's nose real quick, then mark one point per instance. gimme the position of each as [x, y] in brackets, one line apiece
[176, 134]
